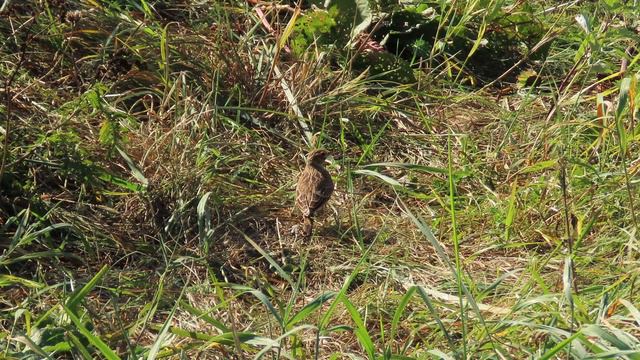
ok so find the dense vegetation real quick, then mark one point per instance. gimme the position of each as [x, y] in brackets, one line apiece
[486, 162]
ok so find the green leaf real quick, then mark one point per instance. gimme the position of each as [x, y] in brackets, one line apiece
[277, 342]
[311, 307]
[162, 335]
[204, 222]
[108, 134]
[623, 343]
[21, 239]
[33, 346]
[106, 177]
[361, 331]
[79, 346]
[263, 299]
[94, 340]
[561, 345]
[353, 16]
[203, 316]
[567, 280]
[164, 57]
[10, 280]
[270, 259]
[388, 179]
[416, 167]
[434, 312]
[79, 295]
[539, 166]
[399, 311]
[135, 170]
[632, 310]
[227, 338]
[511, 213]
[426, 231]
[623, 101]
[326, 318]
[365, 15]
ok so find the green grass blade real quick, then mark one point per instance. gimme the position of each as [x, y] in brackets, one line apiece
[264, 300]
[203, 316]
[79, 346]
[75, 298]
[434, 313]
[623, 102]
[204, 222]
[324, 322]
[399, 311]
[388, 179]
[314, 305]
[511, 212]
[268, 257]
[135, 170]
[164, 330]
[279, 340]
[107, 352]
[361, 330]
[11, 280]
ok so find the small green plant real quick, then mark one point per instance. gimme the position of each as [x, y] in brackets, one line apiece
[484, 161]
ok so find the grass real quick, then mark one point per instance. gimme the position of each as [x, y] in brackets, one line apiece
[150, 151]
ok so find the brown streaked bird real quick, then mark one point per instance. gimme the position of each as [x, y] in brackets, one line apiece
[314, 188]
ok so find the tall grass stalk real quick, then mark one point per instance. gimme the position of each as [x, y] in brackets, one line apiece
[456, 248]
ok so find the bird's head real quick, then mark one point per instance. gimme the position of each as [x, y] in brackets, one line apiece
[317, 157]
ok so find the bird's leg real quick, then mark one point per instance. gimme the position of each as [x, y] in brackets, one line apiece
[292, 210]
[307, 226]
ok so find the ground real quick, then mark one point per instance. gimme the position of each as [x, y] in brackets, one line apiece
[150, 152]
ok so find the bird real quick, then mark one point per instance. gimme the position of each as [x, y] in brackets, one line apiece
[314, 188]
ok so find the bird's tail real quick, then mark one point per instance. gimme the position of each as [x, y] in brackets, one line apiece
[307, 226]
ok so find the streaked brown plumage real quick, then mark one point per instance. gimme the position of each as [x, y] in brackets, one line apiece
[314, 188]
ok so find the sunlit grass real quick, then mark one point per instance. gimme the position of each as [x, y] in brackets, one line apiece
[151, 152]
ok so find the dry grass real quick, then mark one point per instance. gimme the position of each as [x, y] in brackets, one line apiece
[148, 191]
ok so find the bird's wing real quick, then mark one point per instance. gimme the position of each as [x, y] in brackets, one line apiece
[304, 193]
[321, 194]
